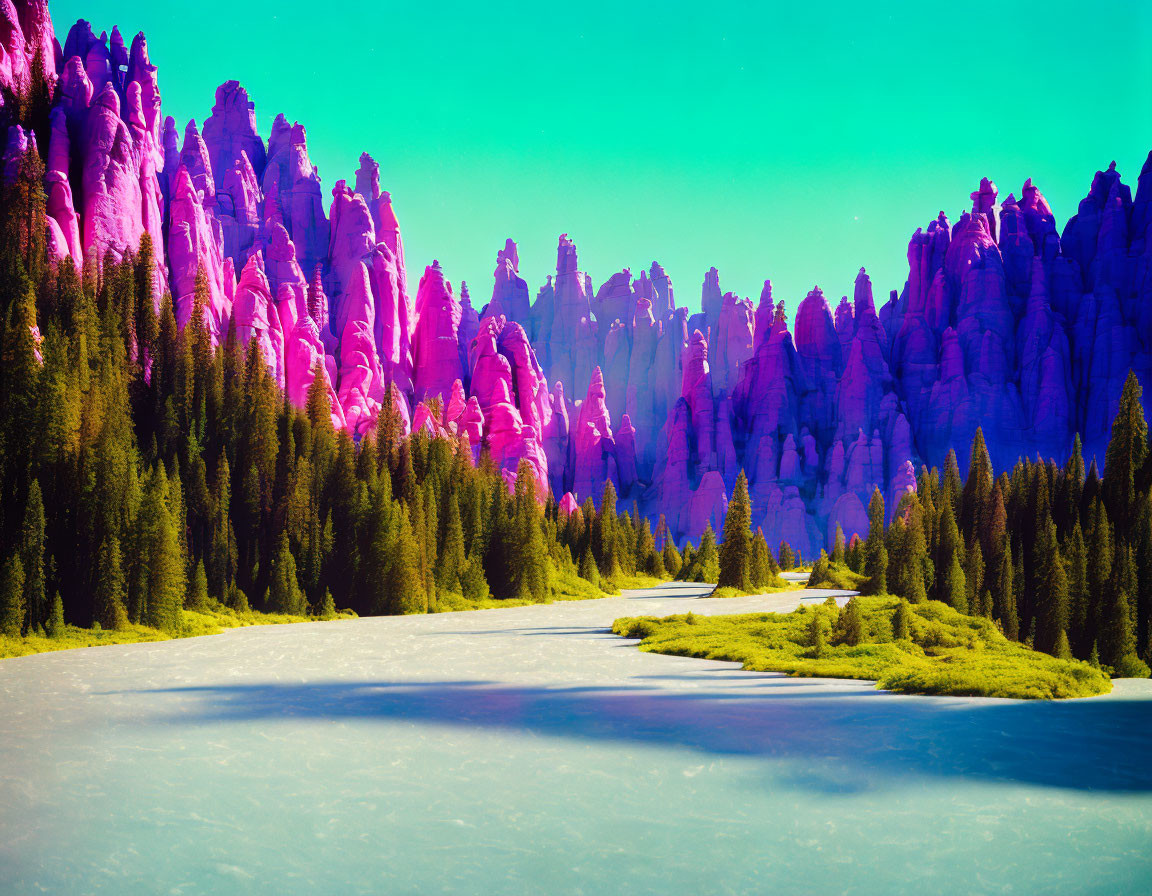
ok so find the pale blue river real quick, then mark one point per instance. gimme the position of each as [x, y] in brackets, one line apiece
[528, 751]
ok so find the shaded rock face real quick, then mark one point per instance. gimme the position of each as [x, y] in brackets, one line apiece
[25, 33]
[104, 153]
[1004, 322]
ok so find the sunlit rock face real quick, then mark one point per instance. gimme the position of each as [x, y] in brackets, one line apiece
[1004, 322]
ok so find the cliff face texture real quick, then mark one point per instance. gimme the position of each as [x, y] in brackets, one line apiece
[1005, 322]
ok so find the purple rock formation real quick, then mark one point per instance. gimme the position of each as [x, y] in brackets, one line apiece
[1004, 322]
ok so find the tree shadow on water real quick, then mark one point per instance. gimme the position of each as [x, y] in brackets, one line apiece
[1080, 745]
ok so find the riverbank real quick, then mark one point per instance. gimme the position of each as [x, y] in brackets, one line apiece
[196, 624]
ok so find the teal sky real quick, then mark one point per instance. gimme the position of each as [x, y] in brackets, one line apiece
[796, 143]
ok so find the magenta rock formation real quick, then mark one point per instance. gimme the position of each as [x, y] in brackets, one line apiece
[1004, 322]
[26, 35]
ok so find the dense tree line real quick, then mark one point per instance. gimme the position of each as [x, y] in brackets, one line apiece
[1058, 556]
[145, 470]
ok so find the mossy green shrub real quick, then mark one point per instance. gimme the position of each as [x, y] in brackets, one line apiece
[837, 576]
[775, 586]
[947, 653]
[567, 585]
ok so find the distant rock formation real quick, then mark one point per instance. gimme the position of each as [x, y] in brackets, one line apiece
[1004, 322]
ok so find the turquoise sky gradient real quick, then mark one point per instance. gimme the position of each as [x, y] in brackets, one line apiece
[794, 143]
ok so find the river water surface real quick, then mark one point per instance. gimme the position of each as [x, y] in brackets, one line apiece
[529, 751]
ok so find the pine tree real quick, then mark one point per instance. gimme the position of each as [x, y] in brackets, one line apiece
[994, 530]
[1142, 549]
[588, 569]
[849, 630]
[318, 405]
[763, 565]
[1125, 458]
[736, 549]
[974, 578]
[1004, 597]
[819, 576]
[604, 541]
[875, 550]
[18, 398]
[473, 585]
[1117, 638]
[706, 563]
[816, 637]
[161, 558]
[651, 560]
[671, 557]
[110, 587]
[22, 231]
[1099, 567]
[1076, 564]
[949, 554]
[908, 554]
[688, 563]
[1051, 599]
[955, 591]
[403, 585]
[222, 551]
[902, 622]
[1019, 586]
[787, 558]
[838, 546]
[284, 594]
[855, 556]
[452, 558]
[32, 540]
[977, 494]
[147, 320]
[55, 627]
[1067, 509]
[12, 597]
[529, 570]
[198, 593]
[950, 485]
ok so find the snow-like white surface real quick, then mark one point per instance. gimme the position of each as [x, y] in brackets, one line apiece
[529, 750]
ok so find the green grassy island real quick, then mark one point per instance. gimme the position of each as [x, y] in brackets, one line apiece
[926, 648]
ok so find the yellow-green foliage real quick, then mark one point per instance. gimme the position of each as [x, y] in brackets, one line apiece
[211, 621]
[632, 583]
[948, 653]
[566, 586]
[840, 578]
[778, 584]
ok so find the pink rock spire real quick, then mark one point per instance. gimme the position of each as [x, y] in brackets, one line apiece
[436, 347]
[195, 244]
[510, 292]
[593, 443]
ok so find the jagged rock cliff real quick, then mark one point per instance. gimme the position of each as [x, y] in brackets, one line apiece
[1004, 322]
